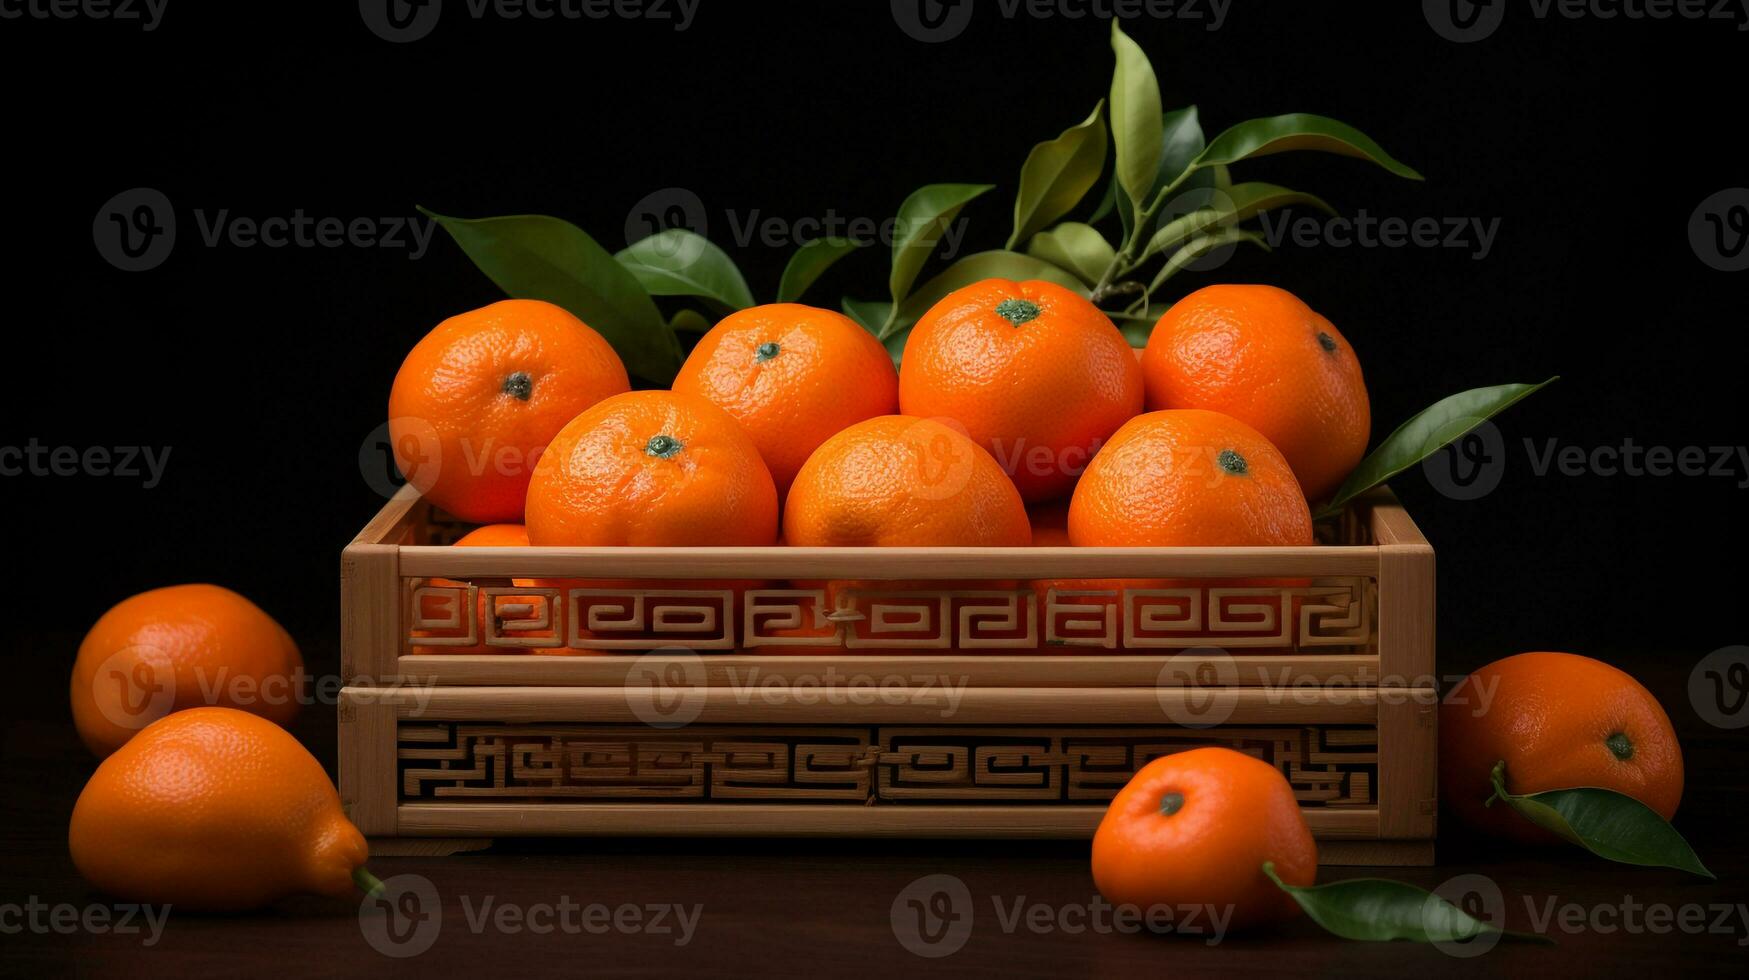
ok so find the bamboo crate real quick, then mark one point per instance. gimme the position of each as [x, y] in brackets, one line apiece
[932, 693]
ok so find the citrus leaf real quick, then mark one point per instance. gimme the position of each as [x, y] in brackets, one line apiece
[896, 345]
[1181, 142]
[681, 262]
[1381, 910]
[534, 256]
[689, 320]
[809, 263]
[1135, 116]
[1074, 247]
[1608, 824]
[994, 264]
[1228, 206]
[1202, 245]
[869, 314]
[923, 219]
[1434, 428]
[1057, 174]
[1298, 131]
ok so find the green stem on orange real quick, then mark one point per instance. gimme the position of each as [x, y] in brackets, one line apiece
[366, 882]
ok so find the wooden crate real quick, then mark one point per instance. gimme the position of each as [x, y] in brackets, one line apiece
[501, 691]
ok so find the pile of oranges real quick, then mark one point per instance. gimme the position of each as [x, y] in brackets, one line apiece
[1020, 413]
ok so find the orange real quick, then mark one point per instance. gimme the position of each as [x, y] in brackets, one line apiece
[1188, 478]
[1558, 721]
[214, 809]
[896, 481]
[793, 376]
[495, 536]
[652, 468]
[479, 398]
[1194, 828]
[179, 647]
[1032, 371]
[1261, 355]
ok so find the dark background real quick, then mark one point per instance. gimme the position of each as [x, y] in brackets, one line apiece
[265, 370]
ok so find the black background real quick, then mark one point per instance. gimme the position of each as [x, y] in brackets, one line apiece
[1590, 140]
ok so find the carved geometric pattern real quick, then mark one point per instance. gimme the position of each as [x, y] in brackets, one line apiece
[1327, 765]
[1326, 616]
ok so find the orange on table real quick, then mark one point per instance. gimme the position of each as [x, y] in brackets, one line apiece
[652, 468]
[480, 396]
[1188, 478]
[1261, 355]
[1033, 371]
[1559, 721]
[176, 648]
[793, 376]
[213, 809]
[1194, 829]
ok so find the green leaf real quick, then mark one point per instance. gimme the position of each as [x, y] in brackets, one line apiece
[1298, 131]
[1434, 428]
[1608, 824]
[689, 320]
[540, 257]
[1107, 202]
[870, 314]
[1202, 245]
[1076, 247]
[1135, 116]
[1181, 143]
[1381, 910]
[1229, 206]
[923, 219]
[809, 263]
[896, 345]
[994, 264]
[681, 262]
[1057, 174]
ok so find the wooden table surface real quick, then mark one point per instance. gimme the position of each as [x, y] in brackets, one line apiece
[781, 908]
